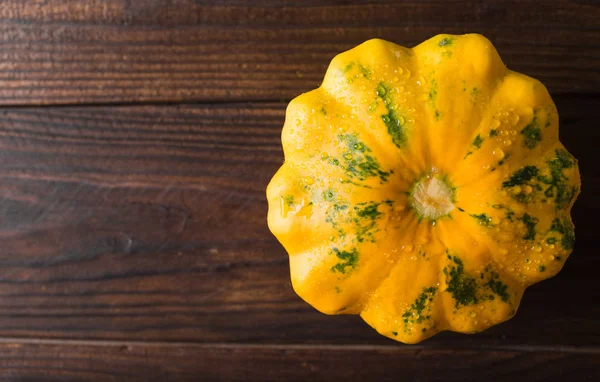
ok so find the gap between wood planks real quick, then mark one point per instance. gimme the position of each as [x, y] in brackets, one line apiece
[247, 346]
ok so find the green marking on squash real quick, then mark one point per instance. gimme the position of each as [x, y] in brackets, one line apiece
[289, 200]
[359, 220]
[349, 259]
[554, 186]
[530, 223]
[369, 211]
[475, 145]
[366, 72]
[433, 91]
[358, 162]
[461, 286]
[557, 182]
[503, 160]
[483, 219]
[474, 95]
[521, 176]
[532, 133]
[363, 70]
[329, 195]
[565, 228]
[498, 287]
[509, 213]
[367, 214]
[446, 41]
[394, 122]
[466, 290]
[420, 310]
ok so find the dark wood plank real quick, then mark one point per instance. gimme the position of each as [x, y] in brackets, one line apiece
[67, 361]
[149, 223]
[67, 51]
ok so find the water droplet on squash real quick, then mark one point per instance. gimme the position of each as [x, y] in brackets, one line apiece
[507, 142]
[298, 122]
[514, 119]
[498, 154]
[308, 180]
[495, 124]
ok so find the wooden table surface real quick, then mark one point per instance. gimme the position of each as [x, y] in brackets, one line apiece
[136, 142]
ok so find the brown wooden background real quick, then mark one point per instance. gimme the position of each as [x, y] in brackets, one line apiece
[136, 142]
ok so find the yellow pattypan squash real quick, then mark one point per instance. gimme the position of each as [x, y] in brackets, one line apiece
[423, 188]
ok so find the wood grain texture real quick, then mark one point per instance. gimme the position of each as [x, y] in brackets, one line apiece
[68, 52]
[149, 223]
[67, 361]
